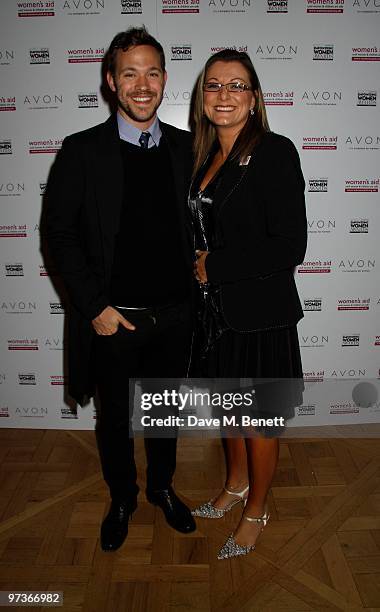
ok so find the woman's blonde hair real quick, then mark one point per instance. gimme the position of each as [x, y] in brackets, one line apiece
[205, 133]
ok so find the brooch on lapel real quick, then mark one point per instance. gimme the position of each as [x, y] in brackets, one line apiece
[245, 162]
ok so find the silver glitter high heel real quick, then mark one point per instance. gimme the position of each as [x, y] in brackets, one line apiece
[231, 549]
[208, 510]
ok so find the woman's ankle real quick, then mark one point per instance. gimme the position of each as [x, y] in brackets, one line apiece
[238, 484]
[255, 509]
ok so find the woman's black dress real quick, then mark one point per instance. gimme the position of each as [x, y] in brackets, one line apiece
[224, 353]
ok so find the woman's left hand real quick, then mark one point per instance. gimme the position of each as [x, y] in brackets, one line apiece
[199, 266]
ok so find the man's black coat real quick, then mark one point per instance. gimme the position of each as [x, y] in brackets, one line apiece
[84, 199]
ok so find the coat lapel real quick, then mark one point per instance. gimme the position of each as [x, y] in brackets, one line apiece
[177, 162]
[109, 184]
[231, 179]
[181, 169]
[109, 176]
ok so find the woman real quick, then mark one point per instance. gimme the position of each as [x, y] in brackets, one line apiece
[247, 204]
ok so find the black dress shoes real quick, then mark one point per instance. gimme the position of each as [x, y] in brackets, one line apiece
[176, 513]
[114, 528]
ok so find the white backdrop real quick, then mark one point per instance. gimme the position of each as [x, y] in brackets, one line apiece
[318, 62]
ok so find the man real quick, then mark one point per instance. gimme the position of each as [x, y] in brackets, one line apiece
[116, 228]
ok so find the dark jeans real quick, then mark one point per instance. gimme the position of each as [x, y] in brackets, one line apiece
[158, 348]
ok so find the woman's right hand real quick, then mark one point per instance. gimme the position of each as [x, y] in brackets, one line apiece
[107, 323]
[200, 267]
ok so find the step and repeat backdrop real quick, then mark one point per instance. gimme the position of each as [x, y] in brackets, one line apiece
[318, 62]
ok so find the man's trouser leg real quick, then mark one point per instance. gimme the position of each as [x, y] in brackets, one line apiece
[159, 347]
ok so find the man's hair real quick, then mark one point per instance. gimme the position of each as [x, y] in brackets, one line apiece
[133, 37]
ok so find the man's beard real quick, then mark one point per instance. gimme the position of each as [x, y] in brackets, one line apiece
[139, 118]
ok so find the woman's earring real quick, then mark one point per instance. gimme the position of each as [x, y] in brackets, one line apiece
[252, 111]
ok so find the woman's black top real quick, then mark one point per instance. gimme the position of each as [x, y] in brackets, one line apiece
[256, 356]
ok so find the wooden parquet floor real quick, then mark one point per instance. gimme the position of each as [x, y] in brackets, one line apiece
[320, 550]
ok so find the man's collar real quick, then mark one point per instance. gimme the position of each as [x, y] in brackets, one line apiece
[131, 134]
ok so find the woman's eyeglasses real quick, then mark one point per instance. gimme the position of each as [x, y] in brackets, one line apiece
[231, 87]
